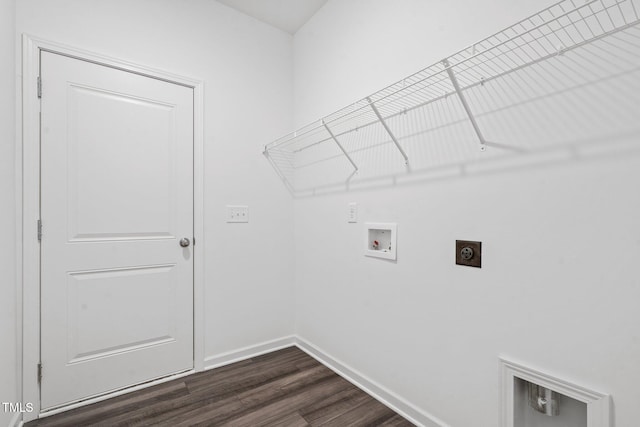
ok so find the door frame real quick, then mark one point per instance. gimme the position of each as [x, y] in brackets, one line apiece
[28, 211]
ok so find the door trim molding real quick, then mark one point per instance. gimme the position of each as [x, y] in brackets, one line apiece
[28, 206]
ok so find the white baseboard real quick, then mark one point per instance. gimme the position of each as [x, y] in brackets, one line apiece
[234, 356]
[384, 395]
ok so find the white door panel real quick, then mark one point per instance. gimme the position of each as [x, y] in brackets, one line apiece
[117, 196]
[114, 209]
[91, 337]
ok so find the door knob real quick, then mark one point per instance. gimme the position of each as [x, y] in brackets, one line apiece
[184, 242]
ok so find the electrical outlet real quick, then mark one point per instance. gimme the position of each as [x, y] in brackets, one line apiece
[237, 213]
[469, 253]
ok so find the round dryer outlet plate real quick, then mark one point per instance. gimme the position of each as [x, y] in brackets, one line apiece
[469, 253]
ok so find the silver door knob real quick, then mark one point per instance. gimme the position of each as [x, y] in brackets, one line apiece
[184, 242]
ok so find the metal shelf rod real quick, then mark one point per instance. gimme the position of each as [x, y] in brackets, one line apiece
[463, 100]
[340, 145]
[384, 124]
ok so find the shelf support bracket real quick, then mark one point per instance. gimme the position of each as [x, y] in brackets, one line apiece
[340, 145]
[465, 104]
[384, 125]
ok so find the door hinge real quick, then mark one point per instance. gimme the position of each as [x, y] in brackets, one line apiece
[39, 373]
[39, 230]
[39, 87]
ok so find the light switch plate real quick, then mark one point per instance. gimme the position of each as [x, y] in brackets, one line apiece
[237, 213]
[352, 213]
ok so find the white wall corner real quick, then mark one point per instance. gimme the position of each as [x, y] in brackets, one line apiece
[397, 403]
[241, 354]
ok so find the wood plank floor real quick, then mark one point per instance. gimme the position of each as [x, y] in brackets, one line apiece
[283, 388]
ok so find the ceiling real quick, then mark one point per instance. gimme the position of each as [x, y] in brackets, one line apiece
[288, 15]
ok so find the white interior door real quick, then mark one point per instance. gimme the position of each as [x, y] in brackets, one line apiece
[117, 198]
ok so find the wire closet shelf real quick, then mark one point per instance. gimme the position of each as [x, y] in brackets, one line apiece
[554, 31]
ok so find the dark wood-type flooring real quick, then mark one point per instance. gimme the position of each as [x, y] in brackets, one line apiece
[283, 388]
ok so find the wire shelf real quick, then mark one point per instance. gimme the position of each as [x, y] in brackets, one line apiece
[461, 94]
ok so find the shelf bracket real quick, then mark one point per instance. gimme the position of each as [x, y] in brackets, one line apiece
[463, 100]
[340, 145]
[384, 125]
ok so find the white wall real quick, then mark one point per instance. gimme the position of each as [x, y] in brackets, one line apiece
[559, 285]
[8, 374]
[246, 68]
